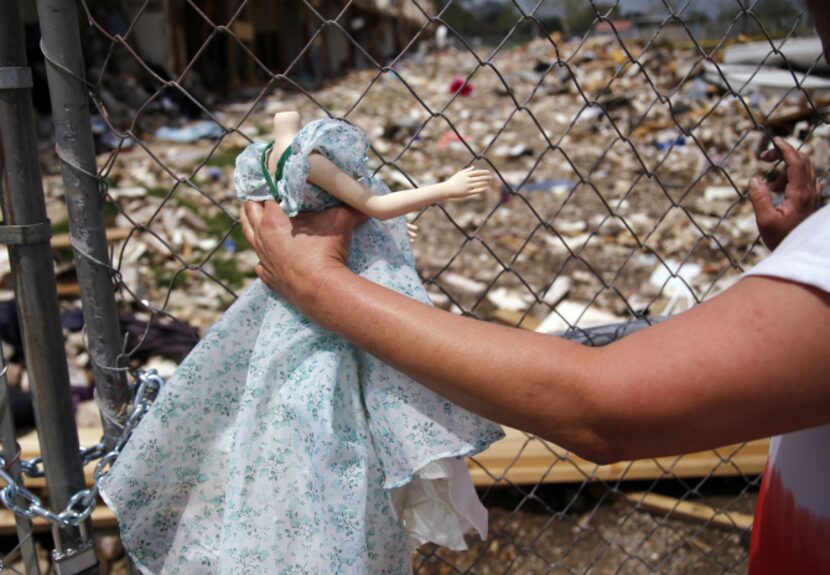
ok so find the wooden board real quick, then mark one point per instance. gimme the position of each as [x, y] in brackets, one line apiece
[30, 448]
[673, 508]
[513, 319]
[522, 460]
[113, 235]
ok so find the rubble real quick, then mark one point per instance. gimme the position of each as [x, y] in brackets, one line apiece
[608, 171]
[574, 314]
[620, 194]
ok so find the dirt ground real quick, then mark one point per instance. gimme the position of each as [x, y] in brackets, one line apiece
[568, 529]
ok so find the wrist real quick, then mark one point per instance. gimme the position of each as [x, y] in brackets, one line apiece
[445, 189]
[317, 298]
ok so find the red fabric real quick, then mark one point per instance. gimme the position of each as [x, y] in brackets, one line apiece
[786, 537]
[458, 83]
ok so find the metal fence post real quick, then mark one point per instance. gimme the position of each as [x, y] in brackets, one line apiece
[11, 453]
[27, 233]
[73, 137]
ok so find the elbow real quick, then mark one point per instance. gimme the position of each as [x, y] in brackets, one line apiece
[611, 435]
[600, 430]
[602, 451]
[592, 444]
[377, 210]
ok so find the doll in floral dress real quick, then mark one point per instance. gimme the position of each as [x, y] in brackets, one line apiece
[279, 447]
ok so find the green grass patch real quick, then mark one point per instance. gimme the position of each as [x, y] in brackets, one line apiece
[61, 227]
[227, 271]
[157, 192]
[163, 277]
[217, 227]
[161, 193]
[223, 158]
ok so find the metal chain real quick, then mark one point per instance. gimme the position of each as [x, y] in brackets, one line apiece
[83, 503]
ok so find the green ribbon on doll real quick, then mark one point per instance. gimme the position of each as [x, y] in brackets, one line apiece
[263, 164]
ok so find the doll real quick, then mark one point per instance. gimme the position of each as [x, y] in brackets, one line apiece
[279, 447]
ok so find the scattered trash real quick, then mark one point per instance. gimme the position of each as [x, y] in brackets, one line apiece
[463, 284]
[109, 140]
[511, 300]
[669, 142]
[801, 53]
[205, 129]
[215, 174]
[515, 152]
[625, 185]
[461, 85]
[99, 126]
[558, 187]
[557, 291]
[719, 193]
[569, 314]
[449, 139]
[676, 282]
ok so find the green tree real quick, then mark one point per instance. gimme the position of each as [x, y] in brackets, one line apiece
[580, 15]
[776, 16]
[461, 20]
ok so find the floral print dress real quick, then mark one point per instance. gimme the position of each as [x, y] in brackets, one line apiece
[279, 447]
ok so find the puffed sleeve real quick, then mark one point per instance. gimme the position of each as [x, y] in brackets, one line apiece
[248, 179]
[341, 142]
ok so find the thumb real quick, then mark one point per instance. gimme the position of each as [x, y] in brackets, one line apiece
[761, 199]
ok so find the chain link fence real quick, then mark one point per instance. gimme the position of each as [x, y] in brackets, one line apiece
[621, 142]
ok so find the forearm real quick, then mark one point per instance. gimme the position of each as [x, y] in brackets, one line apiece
[722, 373]
[324, 173]
[492, 370]
[748, 363]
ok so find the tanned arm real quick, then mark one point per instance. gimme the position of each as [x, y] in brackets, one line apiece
[749, 363]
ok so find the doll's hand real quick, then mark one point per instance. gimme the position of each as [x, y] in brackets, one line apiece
[298, 254]
[801, 195]
[468, 182]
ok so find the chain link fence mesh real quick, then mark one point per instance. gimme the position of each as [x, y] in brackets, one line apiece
[12, 561]
[621, 146]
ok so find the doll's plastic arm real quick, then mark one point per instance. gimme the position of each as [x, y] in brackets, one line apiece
[324, 173]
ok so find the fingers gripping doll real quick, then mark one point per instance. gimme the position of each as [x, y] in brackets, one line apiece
[279, 447]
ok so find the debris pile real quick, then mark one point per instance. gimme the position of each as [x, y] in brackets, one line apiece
[621, 173]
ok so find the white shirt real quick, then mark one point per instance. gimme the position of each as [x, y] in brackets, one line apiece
[792, 519]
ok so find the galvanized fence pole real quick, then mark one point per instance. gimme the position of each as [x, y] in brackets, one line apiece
[11, 454]
[26, 231]
[61, 47]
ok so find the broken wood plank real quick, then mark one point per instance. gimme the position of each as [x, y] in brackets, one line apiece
[60, 241]
[805, 112]
[523, 459]
[69, 289]
[528, 460]
[102, 518]
[30, 448]
[514, 319]
[693, 511]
